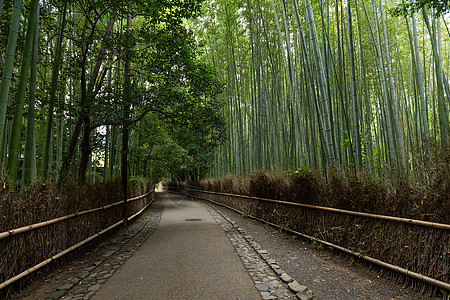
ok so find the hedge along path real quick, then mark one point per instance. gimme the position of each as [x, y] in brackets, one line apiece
[335, 210]
[78, 245]
[421, 277]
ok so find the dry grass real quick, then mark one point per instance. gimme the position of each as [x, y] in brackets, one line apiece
[44, 202]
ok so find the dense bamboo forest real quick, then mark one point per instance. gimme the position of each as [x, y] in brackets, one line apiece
[92, 91]
[359, 84]
[310, 109]
[95, 91]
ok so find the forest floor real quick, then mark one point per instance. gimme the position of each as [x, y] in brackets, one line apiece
[326, 274]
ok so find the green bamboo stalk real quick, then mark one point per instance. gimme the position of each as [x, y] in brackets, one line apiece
[368, 148]
[393, 100]
[53, 89]
[314, 103]
[356, 130]
[29, 170]
[390, 133]
[276, 94]
[295, 101]
[13, 158]
[327, 116]
[420, 84]
[442, 107]
[7, 71]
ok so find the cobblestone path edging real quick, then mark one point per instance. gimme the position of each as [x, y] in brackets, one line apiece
[270, 280]
[90, 279]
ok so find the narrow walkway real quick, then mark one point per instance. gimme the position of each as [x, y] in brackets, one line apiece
[177, 250]
[187, 257]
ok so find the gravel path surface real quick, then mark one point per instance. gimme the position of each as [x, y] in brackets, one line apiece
[327, 275]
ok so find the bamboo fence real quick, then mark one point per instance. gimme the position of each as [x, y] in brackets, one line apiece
[335, 210]
[76, 246]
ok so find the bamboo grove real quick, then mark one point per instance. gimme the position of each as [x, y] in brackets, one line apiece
[97, 90]
[360, 83]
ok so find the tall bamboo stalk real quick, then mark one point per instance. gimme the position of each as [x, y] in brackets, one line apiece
[356, 130]
[29, 170]
[13, 158]
[323, 88]
[53, 89]
[442, 106]
[7, 72]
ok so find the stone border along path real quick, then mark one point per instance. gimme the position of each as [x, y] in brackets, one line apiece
[264, 271]
[90, 279]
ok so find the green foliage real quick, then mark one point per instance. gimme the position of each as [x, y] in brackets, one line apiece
[168, 79]
[438, 7]
[180, 93]
[303, 172]
[158, 154]
[135, 181]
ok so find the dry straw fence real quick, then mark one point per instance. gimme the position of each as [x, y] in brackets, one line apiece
[412, 252]
[27, 249]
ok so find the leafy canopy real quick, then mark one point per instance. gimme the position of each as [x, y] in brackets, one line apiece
[437, 7]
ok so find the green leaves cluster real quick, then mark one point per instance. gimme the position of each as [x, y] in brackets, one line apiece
[438, 7]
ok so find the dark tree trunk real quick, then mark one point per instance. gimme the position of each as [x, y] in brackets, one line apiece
[88, 92]
[126, 127]
[85, 152]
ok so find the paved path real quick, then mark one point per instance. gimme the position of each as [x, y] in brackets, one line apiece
[188, 257]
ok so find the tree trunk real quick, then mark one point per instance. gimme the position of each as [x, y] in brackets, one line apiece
[126, 126]
[85, 151]
[88, 94]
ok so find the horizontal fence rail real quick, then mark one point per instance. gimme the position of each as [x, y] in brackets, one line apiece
[334, 210]
[76, 246]
[23, 229]
[432, 281]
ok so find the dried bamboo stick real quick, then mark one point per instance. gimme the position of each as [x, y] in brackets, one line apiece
[139, 212]
[139, 197]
